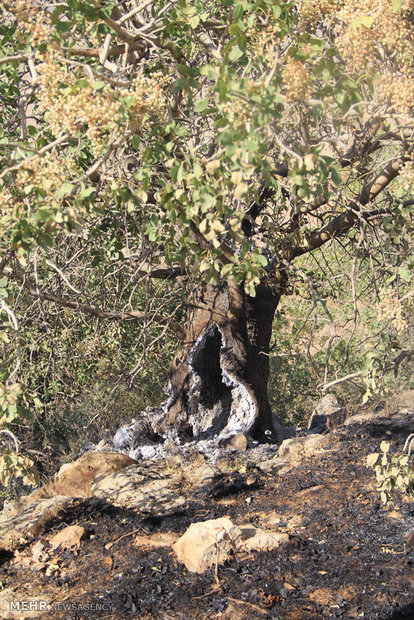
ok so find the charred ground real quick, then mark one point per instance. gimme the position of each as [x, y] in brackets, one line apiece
[348, 556]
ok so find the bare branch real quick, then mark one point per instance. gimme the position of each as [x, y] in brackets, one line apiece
[326, 386]
[96, 312]
[341, 224]
[62, 275]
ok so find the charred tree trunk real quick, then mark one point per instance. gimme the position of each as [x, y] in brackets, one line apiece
[218, 383]
[217, 387]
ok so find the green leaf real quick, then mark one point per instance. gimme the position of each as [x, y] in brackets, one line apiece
[64, 190]
[209, 71]
[404, 273]
[261, 260]
[194, 21]
[235, 53]
[226, 269]
[200, 105]
[82, 83]
[363, 20]
[98, 85]
[396, 5]
[135, 142]
[236, 29]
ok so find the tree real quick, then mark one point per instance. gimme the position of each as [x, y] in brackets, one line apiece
[211, 144]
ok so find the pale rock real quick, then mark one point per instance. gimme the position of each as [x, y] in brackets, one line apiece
[274, 518]
[328, 413]
[258, 539]
[68, 538]
[31, 521]
[207, 543]
[51, 570]
[73, 480]
[160, 539]
[36, 607]
[237, 442]
[135, 489]
[294, 450]
[38, 551]
[275, 465]
[76, 478]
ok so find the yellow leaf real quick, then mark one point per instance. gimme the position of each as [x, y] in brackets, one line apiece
[237, 177]
[212, 166]
[241, 189]
[203, 226]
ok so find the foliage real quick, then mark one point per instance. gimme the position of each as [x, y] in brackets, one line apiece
[393, 473]
[13, 464]
[147, 146]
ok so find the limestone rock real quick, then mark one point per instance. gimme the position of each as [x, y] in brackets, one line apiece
[237, 442]
[258, 539]
[135, 487]
[38, 551]
[75, 478]
[274, 465]
[207, 543]
[32, 520]
[67, 538]
[160, 539]
[328, 413]
[33, 607]
[30, 514]
[294, 450]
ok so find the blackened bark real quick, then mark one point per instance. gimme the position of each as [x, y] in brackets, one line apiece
[218, 383]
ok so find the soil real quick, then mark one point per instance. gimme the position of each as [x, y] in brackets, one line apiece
[348, 555]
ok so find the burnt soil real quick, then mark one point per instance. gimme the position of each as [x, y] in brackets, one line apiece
[348, 556]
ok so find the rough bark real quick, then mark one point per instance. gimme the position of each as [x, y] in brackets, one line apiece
[218, 383]
[217, 387]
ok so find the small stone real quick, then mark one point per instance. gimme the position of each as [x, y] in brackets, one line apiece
[237, 442]
[69, 537]
[51, 570]
[38, 550]
[207, 543]
[288, 586]
[258, 539]
[160, 539]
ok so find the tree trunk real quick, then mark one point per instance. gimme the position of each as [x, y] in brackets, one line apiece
[218, 384]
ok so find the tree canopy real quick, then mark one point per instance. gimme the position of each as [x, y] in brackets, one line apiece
[222, 141]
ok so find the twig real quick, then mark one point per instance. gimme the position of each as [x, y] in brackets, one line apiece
[409, 444]
[62, 275]
[252, 605]
[18, 58]
[110, 545]
[103, 55]
[137, 9]
[9, 311]
[96, 312]
[5, 431]
[325, 386]
[44, 149]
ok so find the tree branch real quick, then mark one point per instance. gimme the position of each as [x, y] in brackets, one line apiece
[95, 312]
[341, 224]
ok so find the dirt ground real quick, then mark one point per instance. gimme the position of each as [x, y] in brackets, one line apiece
[348, 556]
